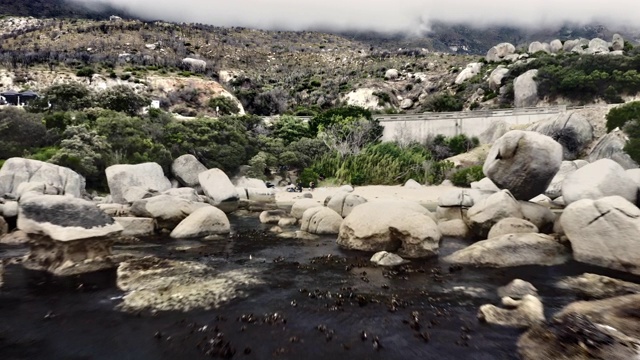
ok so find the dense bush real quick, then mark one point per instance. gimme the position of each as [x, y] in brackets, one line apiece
[619, 116]
[464, 177]
[382, 164]
[224, 105]
[583, 77]
[443, 103]
[123, 99]
[290, 129]
[442, 147]
[20, 132]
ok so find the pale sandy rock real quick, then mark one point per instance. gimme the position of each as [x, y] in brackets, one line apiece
[399, 226]
[604, 232]
[456, 228]
[272, 216]
[219, 189]
[16, 237]
[485, 185]
[168, 211]
[520, 314]
[186, 169]
[391, 74]
[412, 184]
[384, 258]
[245, 182]
[525, 89]
[186, 193]
[287, 221]
[204, 221]
[570, 129]
[147, 175]
[64, 218]
[468, 72]
[611, 146]
[496, 76]
[517, 289]
[599, 179]
[299, 207]
[523, 162]
[484, 214]
[512, 250]
[511, 226]
[9, 209]
[320, 220]
[617, 44]
[136, 226]
[555, 46]
[499, 52]
[344, 202]
[539, 215]
[16, 171]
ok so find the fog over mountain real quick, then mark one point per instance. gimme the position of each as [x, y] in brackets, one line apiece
[411, 16]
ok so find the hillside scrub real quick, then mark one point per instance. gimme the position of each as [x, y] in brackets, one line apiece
[583, 78]
[619, 116]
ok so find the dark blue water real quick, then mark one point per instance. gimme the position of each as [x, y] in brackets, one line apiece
[317, 302]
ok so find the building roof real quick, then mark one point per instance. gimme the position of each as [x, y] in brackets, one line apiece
[28, 93]
[9, 93]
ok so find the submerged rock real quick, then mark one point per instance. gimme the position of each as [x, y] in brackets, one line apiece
[594, 286]
[512, 250]
[169, 285]
[517, 289]
[384, 258]
[604, 329]
[521, 313]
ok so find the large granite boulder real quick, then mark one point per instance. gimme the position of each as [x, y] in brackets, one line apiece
[496, 77]
[136, 226]
[246, 182]
[569, 129]
[523, 162]
[64, 218]
[617, 42]
[186, 193]
[186, 169]
[320, 220]
[468, 72]
[219, 189]
[512, 250]
[599, 179]
[537, 46]
[555, 187]
[168, 211]
[300, 206]
[17, 171]
[399, 226]
[598, 46]
[555, 46]
[539, 215]
[67, 235]
[494, 131]
[499, 52]
[525, 89]
[203, 222]
[604, 232]
[603, 329]
[149, 176]
[611, 146]
[483, 215]
[343, 202]
[508, 226]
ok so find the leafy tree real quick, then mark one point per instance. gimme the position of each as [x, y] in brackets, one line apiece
[63, 97]
[290, 129]
[123, 99]
[83, 151]
[20, 132]
[224, 105]
[334, 115]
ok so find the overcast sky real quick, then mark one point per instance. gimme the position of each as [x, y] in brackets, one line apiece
[388, 15]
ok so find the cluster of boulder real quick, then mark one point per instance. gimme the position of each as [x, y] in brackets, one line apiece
[68, 233]
[507, 51]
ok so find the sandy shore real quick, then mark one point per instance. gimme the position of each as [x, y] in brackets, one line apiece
[427, 195]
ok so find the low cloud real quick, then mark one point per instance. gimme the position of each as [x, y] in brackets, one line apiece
[411, 16]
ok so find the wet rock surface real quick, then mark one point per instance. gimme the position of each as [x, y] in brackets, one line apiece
[312, 300]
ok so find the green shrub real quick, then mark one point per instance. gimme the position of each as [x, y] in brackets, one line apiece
[442, 103]
[86, 71]
[619, 116]
[466, 176]
[224, 105]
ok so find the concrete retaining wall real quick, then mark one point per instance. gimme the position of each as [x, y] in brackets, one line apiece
[419, 127]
